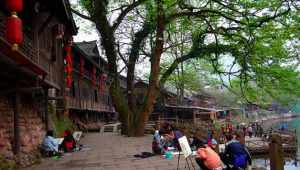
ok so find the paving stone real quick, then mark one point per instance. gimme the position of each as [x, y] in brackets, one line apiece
[111, 152]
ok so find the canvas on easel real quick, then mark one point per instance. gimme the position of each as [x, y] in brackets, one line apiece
[187, 152]
[185, 146]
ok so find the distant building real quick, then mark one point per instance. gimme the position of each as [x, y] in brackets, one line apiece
[88, 101]
[167, 107]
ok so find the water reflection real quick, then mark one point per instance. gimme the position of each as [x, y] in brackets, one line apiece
[290, 164]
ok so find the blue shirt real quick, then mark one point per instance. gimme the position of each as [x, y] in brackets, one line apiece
[50, 144]
[235, 148]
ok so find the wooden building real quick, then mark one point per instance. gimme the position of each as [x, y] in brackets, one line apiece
[32, 75]
[167, 107]
[88, 102]
[186, 113]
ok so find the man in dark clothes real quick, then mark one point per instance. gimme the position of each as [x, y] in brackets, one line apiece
[236, 155]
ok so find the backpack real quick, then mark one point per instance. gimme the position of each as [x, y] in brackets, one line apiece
[240, 161]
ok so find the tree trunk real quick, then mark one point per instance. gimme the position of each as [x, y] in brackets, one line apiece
[153, 88]
[139, 37]
[133, 120]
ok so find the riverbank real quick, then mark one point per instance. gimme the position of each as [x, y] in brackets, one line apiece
[279, 117]
[290, 164]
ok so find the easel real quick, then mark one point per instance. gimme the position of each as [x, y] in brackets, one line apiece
[187, 152]
[188, 162]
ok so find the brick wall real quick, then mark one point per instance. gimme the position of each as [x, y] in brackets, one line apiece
[31, 131]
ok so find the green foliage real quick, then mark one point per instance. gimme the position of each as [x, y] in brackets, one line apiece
[261, 38]
[87, 4]
[60, 123]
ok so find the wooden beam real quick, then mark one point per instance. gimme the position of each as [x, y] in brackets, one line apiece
[46, 109]
[16, 147]
[56, 98]
[45, 24]
[13, 90]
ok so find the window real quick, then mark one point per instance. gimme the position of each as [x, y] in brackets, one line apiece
[96, 96]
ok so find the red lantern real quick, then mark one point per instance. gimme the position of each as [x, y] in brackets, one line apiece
[14, 34]
[69, 69]
[68, 48]
[69, 81]
[69, 59]
[14, 5]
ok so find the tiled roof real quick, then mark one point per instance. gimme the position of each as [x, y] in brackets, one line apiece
[89, 48]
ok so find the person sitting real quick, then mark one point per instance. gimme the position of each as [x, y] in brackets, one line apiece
[158, 143]
[208, 159]
[69, 143]
[236, 156]
[50, 144]
[172, 136]
[211, 142]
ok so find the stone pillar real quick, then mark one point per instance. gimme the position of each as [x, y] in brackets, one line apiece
[276, 153]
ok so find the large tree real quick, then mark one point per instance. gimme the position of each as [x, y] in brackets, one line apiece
[131, 30]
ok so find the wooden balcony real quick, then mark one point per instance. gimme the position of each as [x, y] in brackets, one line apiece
[30, 57]
[84, 104]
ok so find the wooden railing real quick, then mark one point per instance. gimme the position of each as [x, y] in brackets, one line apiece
[85, 104]
[26, 47]
[34, 55]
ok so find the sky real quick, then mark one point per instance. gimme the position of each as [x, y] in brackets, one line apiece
[87, 30]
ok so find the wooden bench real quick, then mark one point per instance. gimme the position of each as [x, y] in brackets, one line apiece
[113, 128]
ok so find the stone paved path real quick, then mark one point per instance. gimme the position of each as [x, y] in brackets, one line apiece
[110, 152]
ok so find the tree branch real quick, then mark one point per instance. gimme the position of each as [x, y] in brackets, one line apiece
[198, 52]
[81, 15]
[124, 12]
[202, 13]
[121, 56]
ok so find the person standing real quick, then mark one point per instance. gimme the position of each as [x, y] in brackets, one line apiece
[236, 156]
[250, 131]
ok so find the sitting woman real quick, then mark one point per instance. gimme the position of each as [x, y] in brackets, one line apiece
[69, 143]
[50, 144]
[158, 143]
[172, 136]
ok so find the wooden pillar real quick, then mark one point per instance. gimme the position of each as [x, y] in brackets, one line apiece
[276, 153]
[16, 147]
[46, 109]
[79, 93]
[194, 117]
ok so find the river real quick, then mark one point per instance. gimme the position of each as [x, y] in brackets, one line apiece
[289, 164]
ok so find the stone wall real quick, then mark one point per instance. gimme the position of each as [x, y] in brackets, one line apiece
[31, 131]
